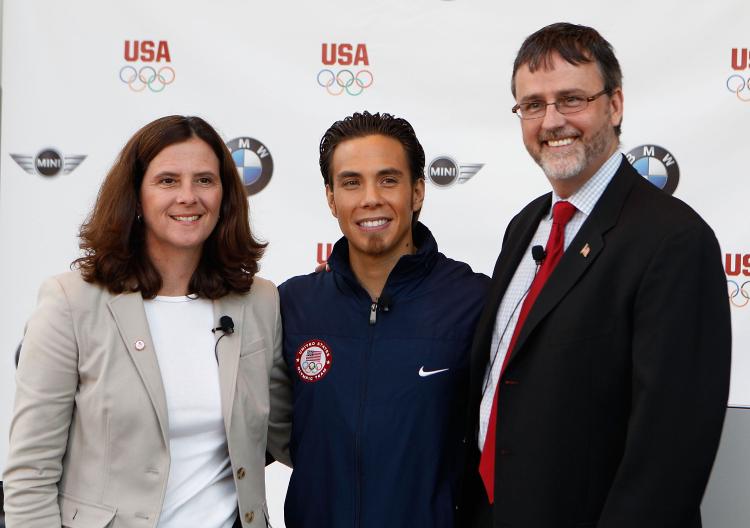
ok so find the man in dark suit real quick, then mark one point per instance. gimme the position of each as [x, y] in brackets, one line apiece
[600, 367]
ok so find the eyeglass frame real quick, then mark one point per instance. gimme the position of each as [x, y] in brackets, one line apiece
[557, 101]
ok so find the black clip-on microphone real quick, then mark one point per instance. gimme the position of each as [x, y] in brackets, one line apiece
[538, 254]
[226, 325]
[385, 302]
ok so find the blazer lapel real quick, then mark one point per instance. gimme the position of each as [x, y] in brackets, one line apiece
[514, 248]
[582, 251]
[228, 351]
[130, 317]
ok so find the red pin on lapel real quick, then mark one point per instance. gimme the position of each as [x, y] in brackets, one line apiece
[585, 250]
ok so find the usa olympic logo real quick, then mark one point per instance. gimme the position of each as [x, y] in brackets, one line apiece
[313, 360]
[345, 81]
[737, 84]
[739, 294]
[147, 77]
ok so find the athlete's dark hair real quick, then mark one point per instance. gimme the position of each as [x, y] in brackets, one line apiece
[576, 45]
[366, 124]
[112, 238]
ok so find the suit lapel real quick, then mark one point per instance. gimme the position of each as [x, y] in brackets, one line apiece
[228, 351]
[582, 251]
[130, 317]
[516, 241]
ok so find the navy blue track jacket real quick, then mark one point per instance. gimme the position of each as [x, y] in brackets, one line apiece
[380, 390]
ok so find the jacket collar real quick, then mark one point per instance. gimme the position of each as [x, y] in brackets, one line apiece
[408, 269]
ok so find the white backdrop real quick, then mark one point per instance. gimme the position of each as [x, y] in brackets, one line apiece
[255, 70]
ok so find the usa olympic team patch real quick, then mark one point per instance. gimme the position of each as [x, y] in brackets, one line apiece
[313, 360]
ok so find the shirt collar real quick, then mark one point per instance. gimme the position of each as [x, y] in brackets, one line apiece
[407, 269]
[586, 197]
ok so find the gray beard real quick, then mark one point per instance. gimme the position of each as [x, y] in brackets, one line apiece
[569, 166]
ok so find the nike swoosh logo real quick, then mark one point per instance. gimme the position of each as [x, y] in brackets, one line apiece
[424, 373]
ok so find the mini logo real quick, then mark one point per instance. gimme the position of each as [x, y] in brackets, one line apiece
[424, 373]
[657, 165]
[49, 162]
[737, 266]
[313, 360]
[353, 78]
[444, 171]
[253, 161]
[324, 255]
[146, 69]
[738, 81]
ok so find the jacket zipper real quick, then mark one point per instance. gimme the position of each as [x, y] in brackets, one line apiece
[357, 441]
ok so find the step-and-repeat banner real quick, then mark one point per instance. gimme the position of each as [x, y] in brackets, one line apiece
[79, 78]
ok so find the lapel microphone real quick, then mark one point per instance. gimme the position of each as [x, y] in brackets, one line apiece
[538, 254]
[385, 302]
[226, 325]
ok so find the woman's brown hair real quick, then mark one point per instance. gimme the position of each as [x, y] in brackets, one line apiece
[112, 238]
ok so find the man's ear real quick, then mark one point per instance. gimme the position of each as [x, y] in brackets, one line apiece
[616, 102]
[331, 201]
[417, 196]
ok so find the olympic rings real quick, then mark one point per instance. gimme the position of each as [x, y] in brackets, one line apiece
[310, 366]
[345, 81]
[138, 80]
[737, 83]
[738, 290]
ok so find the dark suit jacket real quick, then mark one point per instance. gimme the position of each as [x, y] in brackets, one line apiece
[611, 406]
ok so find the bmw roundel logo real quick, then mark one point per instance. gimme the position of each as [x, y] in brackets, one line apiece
[253, 161]
[657, 165]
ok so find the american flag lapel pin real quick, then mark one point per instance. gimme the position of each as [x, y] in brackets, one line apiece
[585, 250]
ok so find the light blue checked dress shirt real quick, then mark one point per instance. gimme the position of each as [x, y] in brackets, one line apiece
[584, 199]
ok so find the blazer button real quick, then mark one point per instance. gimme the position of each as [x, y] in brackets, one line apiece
[241, 474]
[249, 516]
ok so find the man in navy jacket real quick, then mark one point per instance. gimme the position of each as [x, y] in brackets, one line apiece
[378, 347]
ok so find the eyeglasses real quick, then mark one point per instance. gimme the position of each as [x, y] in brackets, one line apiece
[567, 104]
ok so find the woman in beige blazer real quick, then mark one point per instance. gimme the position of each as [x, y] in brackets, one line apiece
[93, 442]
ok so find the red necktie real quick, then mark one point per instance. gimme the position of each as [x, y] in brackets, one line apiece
[562, 212]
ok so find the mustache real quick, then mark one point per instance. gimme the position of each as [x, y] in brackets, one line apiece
[558, 133]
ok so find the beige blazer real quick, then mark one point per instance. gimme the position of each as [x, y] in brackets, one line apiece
[88, 440]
